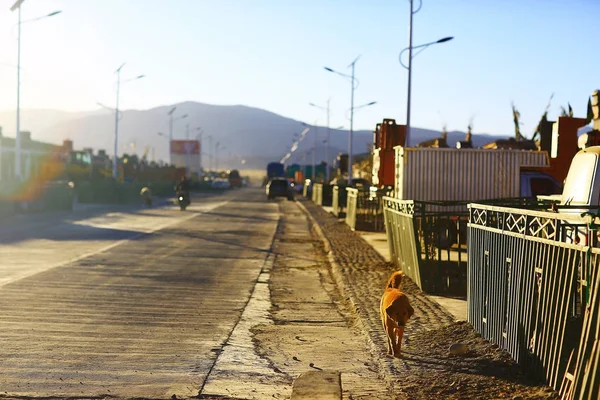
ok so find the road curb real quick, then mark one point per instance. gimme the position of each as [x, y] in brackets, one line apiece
[338, 275]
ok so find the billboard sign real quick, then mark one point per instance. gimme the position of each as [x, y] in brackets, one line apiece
[186, 154]
[184, 147]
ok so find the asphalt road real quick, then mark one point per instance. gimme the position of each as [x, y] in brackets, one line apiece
[127, 304]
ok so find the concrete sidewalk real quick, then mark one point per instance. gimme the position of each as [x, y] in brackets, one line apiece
[297, 338]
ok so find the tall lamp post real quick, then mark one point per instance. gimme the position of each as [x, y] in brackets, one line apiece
[171, 120]
[199, 139]
[217, 147]
[17, 6]
[354, 84]
[115, 159]
[326, 109]
[410, 49]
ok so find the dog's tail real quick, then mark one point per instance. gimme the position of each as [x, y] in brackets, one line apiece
[395, 280]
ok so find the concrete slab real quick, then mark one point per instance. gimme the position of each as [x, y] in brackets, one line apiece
[456, 307]
[377, 240]
[317, 385]
[328, 209]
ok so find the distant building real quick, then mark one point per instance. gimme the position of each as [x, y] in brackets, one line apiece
[33, 155]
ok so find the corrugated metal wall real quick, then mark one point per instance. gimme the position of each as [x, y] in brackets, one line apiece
[430, 174]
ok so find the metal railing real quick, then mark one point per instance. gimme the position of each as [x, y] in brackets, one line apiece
[530, 291]
[364, 209]
[427, 240]
[438, 233]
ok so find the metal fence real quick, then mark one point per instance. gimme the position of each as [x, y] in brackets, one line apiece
[530, 291]
[427, 240]
[364, 209]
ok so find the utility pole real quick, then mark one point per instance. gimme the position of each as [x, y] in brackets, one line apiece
[210, 153]
[351, 126]
[18, 136]
[314, 160]
[410, 42]
[187, 149]
[115, 159]
[217, 157]
[328, 167]
[171, 135]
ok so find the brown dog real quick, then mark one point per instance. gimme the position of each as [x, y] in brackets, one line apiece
[395, 311]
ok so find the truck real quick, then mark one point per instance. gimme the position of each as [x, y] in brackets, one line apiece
[235, 180]
[275, 169]
[446, 174]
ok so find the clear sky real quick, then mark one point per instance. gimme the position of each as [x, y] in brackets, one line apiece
[270, 54]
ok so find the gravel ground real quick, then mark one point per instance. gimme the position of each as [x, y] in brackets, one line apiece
[426, 370]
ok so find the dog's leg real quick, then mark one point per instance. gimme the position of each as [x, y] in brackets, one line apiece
[391, 337]
[383, 316]
[398, 334]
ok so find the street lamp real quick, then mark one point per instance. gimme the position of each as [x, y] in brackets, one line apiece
[410, 57]
[326, 109]
[354, 84]
[118, 72]
[171, 119]
[360, 107]
[17, 6]
[210, 152]
[314, 149]
[217, 155]
[199, 139]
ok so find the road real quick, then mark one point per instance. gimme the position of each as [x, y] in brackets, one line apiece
[127, 304]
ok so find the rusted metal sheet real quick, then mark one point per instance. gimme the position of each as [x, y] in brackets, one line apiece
[428, 174]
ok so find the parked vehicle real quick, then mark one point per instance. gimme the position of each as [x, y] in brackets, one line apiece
[275, 169]
[582, 185]
[279, 187]
[220, 183]
[534, 183]
[235, 180]
[445, 174]
[581, 195]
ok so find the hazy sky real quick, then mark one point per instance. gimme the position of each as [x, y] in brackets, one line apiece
[270, 54]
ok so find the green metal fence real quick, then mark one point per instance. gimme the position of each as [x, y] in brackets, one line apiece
[427, 240]
[535, 293]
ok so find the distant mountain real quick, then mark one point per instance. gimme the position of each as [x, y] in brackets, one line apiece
[243, 133]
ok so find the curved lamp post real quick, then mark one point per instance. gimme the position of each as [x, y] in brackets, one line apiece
[17, 6]
[354, 84]
[115, 159]
[171, 120]
[410, 48]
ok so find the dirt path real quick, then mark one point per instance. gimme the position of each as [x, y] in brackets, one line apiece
[426, 370]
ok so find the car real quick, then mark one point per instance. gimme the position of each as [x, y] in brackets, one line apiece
[279, 187]
[220, 183]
